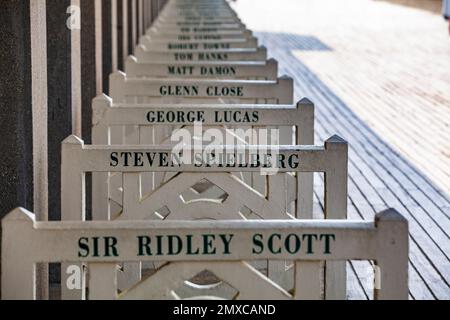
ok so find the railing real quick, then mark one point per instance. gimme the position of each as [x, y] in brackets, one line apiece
[222, 247]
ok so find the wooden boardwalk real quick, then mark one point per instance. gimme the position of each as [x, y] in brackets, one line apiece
[385, 92]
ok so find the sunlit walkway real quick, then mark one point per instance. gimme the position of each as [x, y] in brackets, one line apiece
[379, 75]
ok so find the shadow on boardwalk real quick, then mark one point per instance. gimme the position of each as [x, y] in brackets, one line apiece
[379, 177]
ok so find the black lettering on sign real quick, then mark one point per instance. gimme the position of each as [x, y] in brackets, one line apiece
[209, 46]
[182, 46]
[114, 160]
[180, 56]
[95, 247]
[179, 116]
[164, 159]
[207, 37]
[293, 243]
[147, 159]
[205, 29]
[205, 244]
[292, 161]
[178, 91]
[217, 71]
[180, 70]
[236, 116]
[224, 91]
[212, 56]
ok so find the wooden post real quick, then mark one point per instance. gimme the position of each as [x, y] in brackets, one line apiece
[18, 271]
[38, 17]
[100, 136]
[72, 182]
[73, 209]
[102, 276]
[336, 191]
[75, 56]
[393, 263]
[307, 274]
[305, 181]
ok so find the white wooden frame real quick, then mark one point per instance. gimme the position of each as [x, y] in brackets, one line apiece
[221, 19]
[133, 90]
[77, 159]
[190, 14]
[177, 26]
[108, 117]
[130, 118]
[248, 70]
[26, 242]
[197, 33]
[196, 10]
[173, 5]
[158, 44]
[143, 54]
[175, 18]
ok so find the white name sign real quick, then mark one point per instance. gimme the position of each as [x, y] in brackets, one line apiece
[251, 70]
[144, 54]
[26, 242]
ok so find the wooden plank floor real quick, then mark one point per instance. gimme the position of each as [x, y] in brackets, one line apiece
[388, 96]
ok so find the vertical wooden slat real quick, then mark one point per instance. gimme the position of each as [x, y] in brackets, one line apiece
[39, 102]
[125, 29]
[150, 12]
[98, 47]
[131, 271]
[114, 36]
[134, 23]
[75, 40]
[144, 8]
[100, 136]
[141, 18]
[72, 207]
[39, 106]
[106, 43]
[307, 280]
[102, 281]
